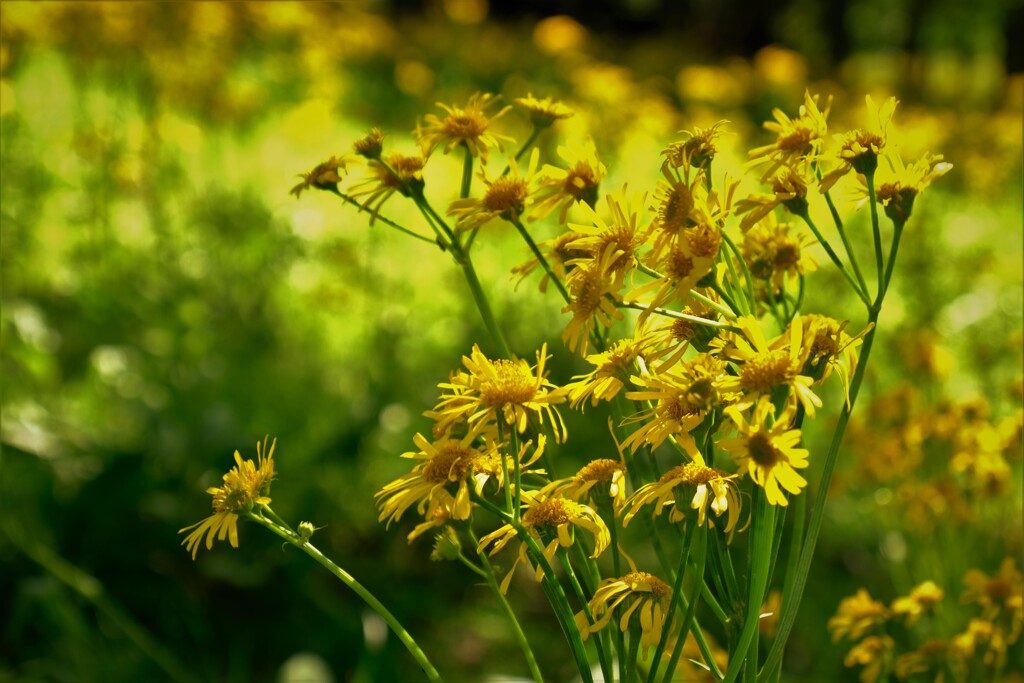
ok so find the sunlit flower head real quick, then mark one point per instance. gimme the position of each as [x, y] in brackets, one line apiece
[599, 481]
[325, 176]
[543, 111]
[594, 290]
[874, 653]
[897, 184]
[825, 346]
[856, 616]
[921, 599]
[768, 452]
[371, 145]
[612, 369]
[697, 150]
[795, 139]
[692, 485]
[462, 125]
[561, 188]
[506, 196]
[245, 485]
[859, 149]
[773, 254]
[637, 593]
[509, 391]
[789, 190]
[393, 173]
[447, 466]
[674, 336]
[623, 233]
[552, 520]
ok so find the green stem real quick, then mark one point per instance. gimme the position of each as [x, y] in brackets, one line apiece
[846, 240]
[897, 234]
[484, 306]
[467, 171]
[677, 596]
[711, 303]
[876, 231]
[861, 294]
[691, 610]
[517, 629]
[526, 147]
[761, 550]
[540, 258]
[388, 221]
[675, 314]
[602, 655]
[796, 543]
[362, 592]
[749, 281]
[509, 507]
[517, 507]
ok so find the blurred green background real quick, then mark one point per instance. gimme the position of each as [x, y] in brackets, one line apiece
[165, 302]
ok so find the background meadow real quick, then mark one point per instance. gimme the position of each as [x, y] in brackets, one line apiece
[165, 302]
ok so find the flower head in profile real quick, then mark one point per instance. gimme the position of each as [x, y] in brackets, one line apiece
[612, 370]
[506, 196]
[245, 485]
[825, 346]
[922, 597]
[691, 485]
[768, 451]
[857, 615]
[370, 145]
[393, 173]
[859, 149]
[789, 190]
[673, 337]
[795, 139]
[553, 520]
[509, 391]
[598, 481]
[561, 188]
[325, 176]
[462, 125]
[698, 149]
[898, 184]
[636, 593]
[543, 111]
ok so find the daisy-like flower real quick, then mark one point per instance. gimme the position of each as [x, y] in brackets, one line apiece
[683, 398]
[370, 145]
[561, 188]
[769, 454]
[686, 265]
[795, 139]
[558, 255]
[697, 150]
[594, 289]
[873, 653]
[635, 593]
[325, 176]
[622, 235]
[599, 480]
[544, 111]
[505, 197]
[447, 465]
[1001, 597]
[463, 125]
[856, 616]
[897, 184]
[691, 484]
[766, 366]
[921, 599]
[245, 485]
[789, 189]
[982, 638]
[674, 336]
[681, 202]
[393, 173]
[612, 369]
[859, 149]
[508, 390]
[773, 254]
[825, 346]
[551, 519]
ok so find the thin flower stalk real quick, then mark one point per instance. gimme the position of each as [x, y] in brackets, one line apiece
[689, 621]
[861, 293]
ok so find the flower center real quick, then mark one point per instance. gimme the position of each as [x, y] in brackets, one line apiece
[786, 255]
[796, 142]
[464, 125]
[705, 241]
[659, 588]
[449, 463]
[551, 512]
[676, 208]
[506, 196]
[587, 293]
[678, 405]
[766, 371]
[511, 383]
[579, 179]
[678, 266]
[602, 469]
[763, 451]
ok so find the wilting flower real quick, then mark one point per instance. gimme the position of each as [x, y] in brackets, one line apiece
[245, 485]
[325, 176]
[551, 520]
[693, 485]
[768, 453]
[468, 125]
[635, 593]
[857, 615]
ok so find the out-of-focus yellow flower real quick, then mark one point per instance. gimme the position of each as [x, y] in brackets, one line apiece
[695, 485]
[463, 125]
[1001, 597]
[768, 620]
[507, 197]
[982, 639]
[795, 139]
[551, 519]
[636, 592]
[768, 453]
[928, 659]
[857, 615]
[772, 253]
[544, 112]
[558, 34]
[859, 149]
[245, 485]
[370, 145]
[325, 176]
[921, 599]
[874, 653]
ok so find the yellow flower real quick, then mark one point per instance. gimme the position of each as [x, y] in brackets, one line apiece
[505, 197]
[593, 287]
[245, 485]
[772, 253]
[697, 150]
[789, 189]
[558, 255]
[825, 346]
[693, 484]
[769, 453]
[897, 185]
[874, 654]
[543, 112]
[562, 188]
[857, 615]
[468, 125]
[394, 173]
[551, 520]
[599, 480]
[635, 593]
[982, 639]
[370, 145]
[674, 336]
[1001, 597]
[684, 397]
[795, 139]
[921, 598]
[859, 149]
[612, 370]
[325, 176]
[682, 202]
[506, 390]
[929, 658]
[445, 463]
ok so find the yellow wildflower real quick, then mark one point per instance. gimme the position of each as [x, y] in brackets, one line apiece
[325, 176]
[599, 480]
[874, 653]
[695, 485]
[857, 615]
[789, 190]
[772, 254]
[463, 125]
[636, 593]
[795, 139]
[921, 598]
[897, 185]
[593, 287]
[505, 197]
[394, 173]
[859, 149]
[562, 188]
[697, 150]
[612, 369]
[544, 111]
